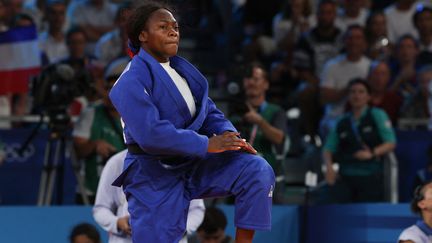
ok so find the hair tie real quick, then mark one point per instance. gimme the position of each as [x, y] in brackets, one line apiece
[132, 49]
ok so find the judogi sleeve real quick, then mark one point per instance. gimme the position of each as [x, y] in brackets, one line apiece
[215, 122]
[142, 120]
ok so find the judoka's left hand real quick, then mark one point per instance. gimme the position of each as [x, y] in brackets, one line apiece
[228, 141]
[249, 149]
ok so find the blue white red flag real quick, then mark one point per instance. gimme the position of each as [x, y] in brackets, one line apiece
[20, 59]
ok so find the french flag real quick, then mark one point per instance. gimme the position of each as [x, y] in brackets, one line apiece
[20, 59]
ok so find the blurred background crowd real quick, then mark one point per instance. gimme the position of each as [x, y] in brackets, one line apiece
[316, 86]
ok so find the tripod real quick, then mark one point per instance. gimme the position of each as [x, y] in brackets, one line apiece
[58, 148]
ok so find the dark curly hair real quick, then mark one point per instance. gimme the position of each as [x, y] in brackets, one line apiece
[137, 22]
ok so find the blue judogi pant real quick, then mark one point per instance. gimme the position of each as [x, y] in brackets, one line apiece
[159, 197]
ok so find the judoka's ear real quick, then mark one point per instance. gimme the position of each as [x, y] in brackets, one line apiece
[143, 36]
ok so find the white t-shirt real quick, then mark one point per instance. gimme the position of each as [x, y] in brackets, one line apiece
[343, 21]
[400, 23]
[182, 86]
[55, 50]
[413, 233]
[337, 73]
[111, 204]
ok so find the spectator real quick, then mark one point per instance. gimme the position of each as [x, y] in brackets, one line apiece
[94, 17]
[339, 71]
[420, 204]
[352, 13]
[419, 105]
[85, 67]
[423, 22]
[114, 43]
[358, 142]
[381, 97]
[84, 233]
[321, 43]
[263, 124]
[404, 67]
[399, 19]
[292, 21]
[110, 209]
[316, 47]
[212, 228]
[52, 42]
[98, 133]
[36, 9]
[379, 45]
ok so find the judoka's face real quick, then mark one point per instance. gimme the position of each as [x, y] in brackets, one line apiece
[160, 37]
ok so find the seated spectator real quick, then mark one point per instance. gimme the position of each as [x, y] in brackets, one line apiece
[339, 71]
[357, 143]
[352, 13]
[212, 228]
[421, 231]
[114, 43]
[36, 9]
[423, 22]
[53, 42]
[94, 17]
[399, 19]
[111, 209]
[84, 233]
[263, 124]
[404, 66]
[419, 105]
[85, 67]
[292, 21]
[379, 45]
[322, 43]
[98, 133]
[381, 96]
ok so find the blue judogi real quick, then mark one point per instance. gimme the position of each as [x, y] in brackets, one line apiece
[157, 119]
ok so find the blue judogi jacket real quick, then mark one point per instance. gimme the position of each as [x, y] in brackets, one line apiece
[155, 114]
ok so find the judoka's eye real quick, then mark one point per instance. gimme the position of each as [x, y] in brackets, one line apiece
[163, 27]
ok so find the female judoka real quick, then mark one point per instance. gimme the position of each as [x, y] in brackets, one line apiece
[180, 146]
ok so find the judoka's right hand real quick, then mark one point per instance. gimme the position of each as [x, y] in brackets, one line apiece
[226, 142]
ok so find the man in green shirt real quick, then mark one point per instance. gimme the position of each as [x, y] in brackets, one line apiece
[98, 133]
[264, 123]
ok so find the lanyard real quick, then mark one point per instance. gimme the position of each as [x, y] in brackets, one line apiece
[254, 130]
[355, 128]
